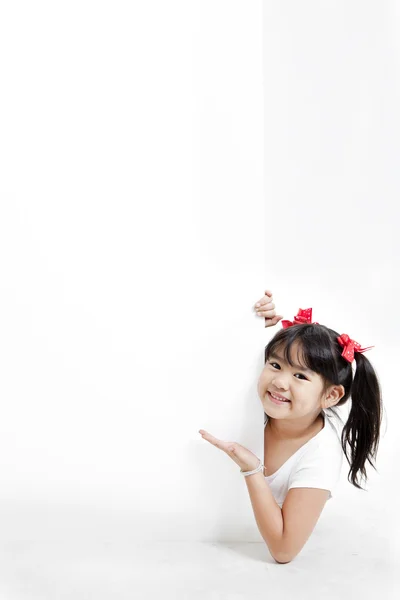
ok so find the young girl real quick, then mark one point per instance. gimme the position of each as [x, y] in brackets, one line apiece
[308, 370]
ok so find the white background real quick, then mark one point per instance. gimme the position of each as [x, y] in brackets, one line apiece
[162, 165]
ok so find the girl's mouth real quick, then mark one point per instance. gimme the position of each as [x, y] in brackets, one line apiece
[275, 400]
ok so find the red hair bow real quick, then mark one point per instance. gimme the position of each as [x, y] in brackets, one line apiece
[303, 316]
[350, 346]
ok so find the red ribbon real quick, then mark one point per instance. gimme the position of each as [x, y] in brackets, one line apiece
[349, 346]
[303, 316]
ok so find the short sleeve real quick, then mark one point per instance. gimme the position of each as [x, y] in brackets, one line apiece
[319, 467]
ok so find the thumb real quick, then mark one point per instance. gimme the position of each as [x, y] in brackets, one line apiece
[276, 319]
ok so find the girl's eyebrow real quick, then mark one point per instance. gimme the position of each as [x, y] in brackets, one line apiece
[295, 366]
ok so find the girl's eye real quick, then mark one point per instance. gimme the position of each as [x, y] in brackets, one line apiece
[301, 374]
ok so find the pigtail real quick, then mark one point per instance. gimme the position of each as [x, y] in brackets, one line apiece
[362, 428]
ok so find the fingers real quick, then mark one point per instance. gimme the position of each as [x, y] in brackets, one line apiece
[226, 446]
[264, 301]
[266, 310]
[265, 306]
[210, 438]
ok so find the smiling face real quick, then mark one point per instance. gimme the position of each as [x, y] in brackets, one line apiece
[301, 386]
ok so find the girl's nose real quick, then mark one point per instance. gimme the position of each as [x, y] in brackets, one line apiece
[279, 383]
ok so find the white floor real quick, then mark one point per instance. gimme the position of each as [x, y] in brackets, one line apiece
[207, 571]
[72, 552]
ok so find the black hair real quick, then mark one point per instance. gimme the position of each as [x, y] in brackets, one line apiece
[322, 353]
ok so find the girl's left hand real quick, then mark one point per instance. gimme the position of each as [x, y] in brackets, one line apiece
[246, 460]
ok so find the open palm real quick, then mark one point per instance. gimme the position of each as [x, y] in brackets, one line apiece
[243, 457]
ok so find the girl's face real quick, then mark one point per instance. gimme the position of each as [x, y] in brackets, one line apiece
[301, 387]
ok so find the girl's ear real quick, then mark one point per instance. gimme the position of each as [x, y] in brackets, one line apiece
[333, 395]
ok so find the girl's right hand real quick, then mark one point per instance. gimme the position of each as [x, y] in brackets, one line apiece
[266, 309]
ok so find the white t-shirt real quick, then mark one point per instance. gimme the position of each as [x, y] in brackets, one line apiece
[317, 464]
